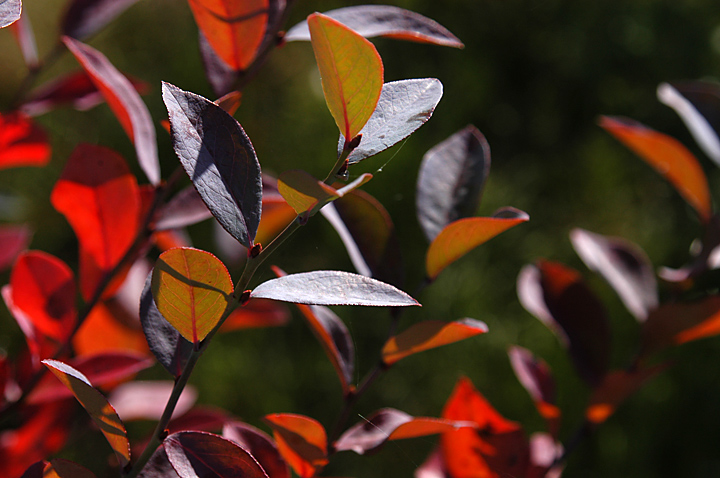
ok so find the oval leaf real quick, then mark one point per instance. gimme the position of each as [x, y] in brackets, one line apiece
[84, 18]
[22, 143]
[220, 160]
[218, 73]
[198, 454]
[125, 103]
[257, 313]
[145, 400]
[191, 289]
[96, 405]
[429, 335]
[332, 288]
[302, 191]
[301, 441]
[464, 235]
[668, 157]
[260, 446]
[184, 209]
[384, 20]
[9, 12]
[351, 71]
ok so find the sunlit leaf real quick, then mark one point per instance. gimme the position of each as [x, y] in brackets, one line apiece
[257, 313]
[96, 405]
[99, 197]
[332, 288]
[403, 107]
[302, 191]
[462, 236]
[668, 157]
[384, 20]
[84, 18]
[301, 441]
[9, 12]
[429, 335]
[260, 446]
[191, 289]
[194, 454]
[390, 424]
[23, 33]
[146, 400]
[125, 103]
[624, 265]
[451, 180]
[557, 295]
[351, 72]
[13, 240]
[220, 160]
[22, 143]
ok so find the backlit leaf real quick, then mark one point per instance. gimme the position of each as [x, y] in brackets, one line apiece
[196, 454]
[191, 289]
[301, 441]
[451, 180]
[99, 197]
[230, 102]
[22, 143]
[260, 446]
[13, 240]
[429, 335]
[220, 160]
[384, 20]
[96, 405]
[624, 265]
[302, 191]
[257, 313]
[462, 236]
[9, 12]
[110, 328]
[125, 103]
[351, 71]
[668, 157]
[403, 107]
[332, 288]
[84, 18]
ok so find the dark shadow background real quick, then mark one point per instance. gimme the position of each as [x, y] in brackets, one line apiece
[534, 76]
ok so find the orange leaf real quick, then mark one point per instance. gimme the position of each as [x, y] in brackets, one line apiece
[301, 441]
[302, 191]
[22, 143]
[276, 215]
[668, 157]
[107, 328]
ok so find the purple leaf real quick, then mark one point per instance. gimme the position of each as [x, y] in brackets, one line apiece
[198, 454]
[9, 12]
[624, 265]
[25, 37]
[184, 209]
[145, 400]
[332, 288]
[403, 107]
[84, 18]
[384, 20]
[533, 373]
[260, 446]
[451, 180]
[219, 74]
[220, 160]
[158, 466]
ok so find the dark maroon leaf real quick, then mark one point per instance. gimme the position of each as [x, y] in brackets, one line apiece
[13, 240]
[624, 265]
[220, 160]
[165, 342]
[158, 466]
[35, 470]
[84, 18]
[533, 373]
[260, 446]
[557, 296]
[184, 209]
[201, 418]
[384, 20]
[200, 454]
[9, 12]
[451, 180]
[219, 74]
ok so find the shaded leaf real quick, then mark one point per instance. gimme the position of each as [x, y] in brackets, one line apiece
[39, 345]
[433, 466]
[146, 400]
[332, 288]
[184, 209]
[96, 405]
[351, 71]
[202, 419]
[301, 441]
[230, 102]
[277, 214]
[257, 313]
[462, 236]
[191, 289]
[556, 295]
[9, 12]
[429, 335]
[99, 197]
[219, 74]
[260, 446]
[158, 466]
[22, 142]
[624, 265]
[24, 35]
[384, 20]
[59, 468]
[403, 107]
[13, 240]
[220, 160]
[544, 454]
[196, 454]
[451, 180]
[668, 157]
[389, 424]
[84, 18]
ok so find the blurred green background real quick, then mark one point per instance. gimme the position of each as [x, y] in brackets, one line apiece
[534, 76]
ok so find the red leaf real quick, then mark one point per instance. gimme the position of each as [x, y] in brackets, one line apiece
[257, 313]
[301, 441]
[260, 446]
[13, 240]
[108, 328]
[99, 197]
[22, 143]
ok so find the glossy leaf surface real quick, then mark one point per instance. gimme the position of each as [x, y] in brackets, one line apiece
[84, 18]
[332, 288]
[668, 157]
[351, 71]
[191, 289]
[403, 107]
[96, 405]
[9, 12]
[451, 180]
[196, 454]
[535, 375]
[220, 160]
[13, 240]
[125, 103]
[22, 143]
[384, 20]
[260, 446]
[462, 236]
[301, 441]
[429, 335]
[99, 197]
